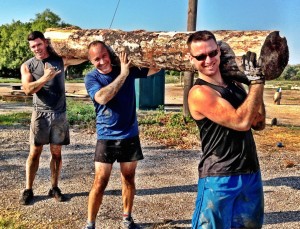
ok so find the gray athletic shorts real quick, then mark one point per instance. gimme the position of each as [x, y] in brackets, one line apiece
[48, 128]
[125, 150]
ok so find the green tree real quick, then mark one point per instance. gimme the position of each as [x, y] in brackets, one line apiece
[291, 72]
[14, 48]
[13, 45]
[297, 76]
[78, 71]
[47, 19]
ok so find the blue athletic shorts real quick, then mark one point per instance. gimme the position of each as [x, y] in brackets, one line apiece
[229, 202]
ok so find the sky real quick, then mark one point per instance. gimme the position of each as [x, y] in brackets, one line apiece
[167, 15]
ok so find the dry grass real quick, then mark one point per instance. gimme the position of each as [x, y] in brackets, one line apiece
[268, 139]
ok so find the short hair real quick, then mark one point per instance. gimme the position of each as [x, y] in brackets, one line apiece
[202, 35]
[35, 35]
[113, 57]
[97, 42]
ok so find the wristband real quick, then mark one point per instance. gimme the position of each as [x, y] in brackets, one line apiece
[260, 81]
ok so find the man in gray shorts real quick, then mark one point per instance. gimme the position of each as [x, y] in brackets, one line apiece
[43, 77]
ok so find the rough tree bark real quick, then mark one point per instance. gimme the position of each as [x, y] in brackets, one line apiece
[167, 50]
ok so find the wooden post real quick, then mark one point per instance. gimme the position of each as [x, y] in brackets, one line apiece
[188, 75]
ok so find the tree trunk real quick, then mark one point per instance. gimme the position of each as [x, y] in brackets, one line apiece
[167, 50]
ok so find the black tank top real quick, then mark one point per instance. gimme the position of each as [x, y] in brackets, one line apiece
[226, 151]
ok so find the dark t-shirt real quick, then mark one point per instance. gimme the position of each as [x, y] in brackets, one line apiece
[226, 151]
[51, 97]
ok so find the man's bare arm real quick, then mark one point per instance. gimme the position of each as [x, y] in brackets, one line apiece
[29, 86]
[206, 102]
[259, 122]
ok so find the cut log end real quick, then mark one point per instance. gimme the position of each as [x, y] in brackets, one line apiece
[274, 55]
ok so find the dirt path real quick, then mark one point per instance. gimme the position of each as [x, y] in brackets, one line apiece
[166, 183]
[166, 180]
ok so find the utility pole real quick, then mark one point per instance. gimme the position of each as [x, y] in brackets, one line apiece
[188, 77]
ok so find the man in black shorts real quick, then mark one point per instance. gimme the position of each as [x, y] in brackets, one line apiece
[111, 89]
[43, 77]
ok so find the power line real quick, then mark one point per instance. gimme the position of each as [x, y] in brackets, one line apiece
[114, 14]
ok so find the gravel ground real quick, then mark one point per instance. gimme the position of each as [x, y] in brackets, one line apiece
[166, 186]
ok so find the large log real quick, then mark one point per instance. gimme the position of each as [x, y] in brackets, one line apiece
[168, 50]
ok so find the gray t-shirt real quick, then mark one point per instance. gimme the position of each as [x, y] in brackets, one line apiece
[51, 97]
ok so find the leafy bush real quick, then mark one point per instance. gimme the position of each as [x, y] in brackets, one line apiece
[291, 72]
[9, 80]
[172, 73]
[171, 129]
[172, 78]
[22, 118]
[8, 223]
[80, 113]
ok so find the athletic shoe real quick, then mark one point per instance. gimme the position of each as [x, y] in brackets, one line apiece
[128, 223]
[89, 227]
[26, 197]
[56, 193]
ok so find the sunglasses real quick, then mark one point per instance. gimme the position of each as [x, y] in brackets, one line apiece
[204, 56]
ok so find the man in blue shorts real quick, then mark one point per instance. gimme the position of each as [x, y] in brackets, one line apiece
[111, 89]
[230, 193]
[43, 77]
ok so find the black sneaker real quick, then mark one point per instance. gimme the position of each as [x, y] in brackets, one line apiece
[56, 193]
[128, 223]
[26, 197]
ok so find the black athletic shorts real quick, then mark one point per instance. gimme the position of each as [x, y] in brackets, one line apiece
[125, 150]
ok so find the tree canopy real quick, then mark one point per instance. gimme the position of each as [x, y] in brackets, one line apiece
[291, 72]
[14, 49]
